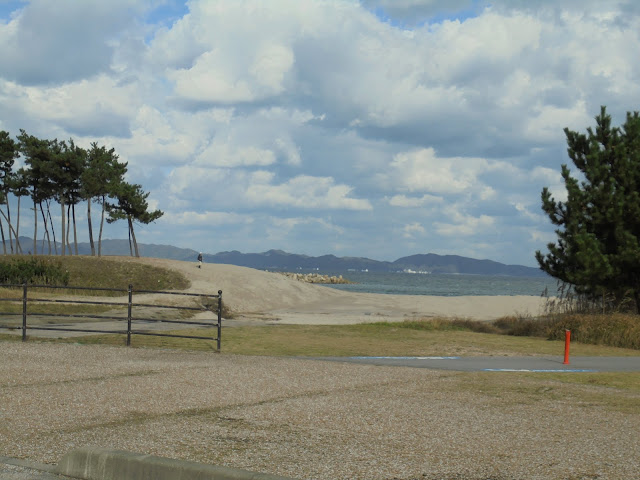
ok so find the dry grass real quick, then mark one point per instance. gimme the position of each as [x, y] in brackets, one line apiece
[614, 329]
[615, 392]
[106, 272]
[392, 339]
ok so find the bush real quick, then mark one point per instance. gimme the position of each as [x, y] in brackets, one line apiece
[615, 330]
[33, 270]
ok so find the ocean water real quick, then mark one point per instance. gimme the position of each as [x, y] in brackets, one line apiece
[401, 283]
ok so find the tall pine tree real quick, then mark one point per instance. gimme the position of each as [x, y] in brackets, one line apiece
[598, 248]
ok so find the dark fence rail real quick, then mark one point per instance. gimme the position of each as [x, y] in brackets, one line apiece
[129, 304]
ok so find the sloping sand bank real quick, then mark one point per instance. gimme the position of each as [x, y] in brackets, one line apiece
[272, 298]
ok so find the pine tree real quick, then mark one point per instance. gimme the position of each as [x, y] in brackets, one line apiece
[100, 180]
[8, 155]
[598, 248]
[133, 206]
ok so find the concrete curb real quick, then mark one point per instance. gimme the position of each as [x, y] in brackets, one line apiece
[104, 464]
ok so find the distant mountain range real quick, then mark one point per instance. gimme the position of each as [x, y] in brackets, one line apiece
[430, 262]
[283, 261]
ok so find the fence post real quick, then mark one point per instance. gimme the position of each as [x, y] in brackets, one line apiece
[219, 317]
[567, 342]
[129, 315]
[24, 312]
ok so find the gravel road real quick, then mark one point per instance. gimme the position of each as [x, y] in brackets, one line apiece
[310, 419]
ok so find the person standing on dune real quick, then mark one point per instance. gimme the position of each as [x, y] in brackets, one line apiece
[200, 260]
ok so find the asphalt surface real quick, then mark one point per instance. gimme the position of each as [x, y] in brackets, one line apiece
[503, 364]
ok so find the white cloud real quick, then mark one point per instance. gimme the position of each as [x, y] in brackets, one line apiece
[223, 155]
[256, 108]
[413, 229]
[548, 121]
[461, 224]
[289, 150]
[41, 42]
[205, 219]
[304, 192]
[423, 170]
[414, 202]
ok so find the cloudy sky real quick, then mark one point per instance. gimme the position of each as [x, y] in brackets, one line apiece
[377, 128]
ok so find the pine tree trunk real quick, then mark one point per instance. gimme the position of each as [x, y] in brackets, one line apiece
[64, 246]
[93, 247]
[53, 230]
[130, 244]
[133, 235]
[8, 216]
[67, 243]
[101, 226]
[18, 227]
[46, 233]
[4, 245]
[35, 227]
[75, 229]
[11, 229]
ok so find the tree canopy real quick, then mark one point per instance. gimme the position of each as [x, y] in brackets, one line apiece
[598, 249]
[65, 173]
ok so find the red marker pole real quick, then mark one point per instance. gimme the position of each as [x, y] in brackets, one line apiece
[567, 341]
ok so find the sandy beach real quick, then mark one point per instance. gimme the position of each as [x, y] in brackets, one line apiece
[259, 296]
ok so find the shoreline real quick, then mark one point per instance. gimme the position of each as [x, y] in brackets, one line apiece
[258, 294]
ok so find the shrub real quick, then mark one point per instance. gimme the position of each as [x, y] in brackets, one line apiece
[33, 270]
[615, 330]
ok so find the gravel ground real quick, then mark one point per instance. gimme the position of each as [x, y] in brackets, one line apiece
[310, 419]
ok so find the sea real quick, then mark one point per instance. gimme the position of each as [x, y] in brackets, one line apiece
[446, 285]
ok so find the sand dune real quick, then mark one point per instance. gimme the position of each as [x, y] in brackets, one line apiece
[272, 298]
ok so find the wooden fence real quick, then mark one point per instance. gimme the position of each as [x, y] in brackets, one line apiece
[29, 306]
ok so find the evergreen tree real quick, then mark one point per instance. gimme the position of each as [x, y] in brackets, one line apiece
[73, 164]
[133, 206]
[598, 248]
[8, 155]
[100, 180]
[19, 188]
[37, 155]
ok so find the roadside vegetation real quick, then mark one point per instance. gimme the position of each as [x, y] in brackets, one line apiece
[429, 337]
[96, 272]
[62, 273]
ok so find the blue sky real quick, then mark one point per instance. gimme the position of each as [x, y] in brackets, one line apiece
[377, 128]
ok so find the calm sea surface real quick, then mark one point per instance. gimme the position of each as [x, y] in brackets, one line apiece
[444, 285]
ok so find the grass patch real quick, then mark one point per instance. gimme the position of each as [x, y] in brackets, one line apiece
[417, 338]
[619, 392]
[36, 309]
[614, 329]
[105, 272]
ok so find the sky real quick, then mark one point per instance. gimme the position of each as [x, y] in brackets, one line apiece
[371, 128]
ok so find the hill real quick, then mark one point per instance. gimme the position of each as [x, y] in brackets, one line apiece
[284, 261]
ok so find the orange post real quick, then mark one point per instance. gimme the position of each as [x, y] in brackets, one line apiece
[567, 341]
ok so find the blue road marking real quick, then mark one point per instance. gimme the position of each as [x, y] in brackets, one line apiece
[537, 370]
[405, 358]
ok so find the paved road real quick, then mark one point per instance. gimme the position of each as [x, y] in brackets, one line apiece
[504, 364]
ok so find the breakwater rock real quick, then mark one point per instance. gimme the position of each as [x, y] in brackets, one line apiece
[316, 278]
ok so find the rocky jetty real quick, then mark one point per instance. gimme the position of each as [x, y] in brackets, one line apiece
[316, 278]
